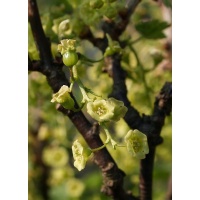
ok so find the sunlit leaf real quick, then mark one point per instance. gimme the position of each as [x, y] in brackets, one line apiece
[152, 29]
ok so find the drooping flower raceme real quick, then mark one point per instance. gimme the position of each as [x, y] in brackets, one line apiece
[136, 143]
[80, 158]
[63, 97]
[106, 110]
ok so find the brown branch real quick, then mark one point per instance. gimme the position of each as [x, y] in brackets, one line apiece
[34, 65]
[150, 125]
[42, 43]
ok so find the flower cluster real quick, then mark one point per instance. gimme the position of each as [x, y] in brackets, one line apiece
[102, 110]
[136, 143]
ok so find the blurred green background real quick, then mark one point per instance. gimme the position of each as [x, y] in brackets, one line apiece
[51, 170]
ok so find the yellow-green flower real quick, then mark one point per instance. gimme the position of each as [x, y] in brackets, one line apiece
[79, 156]
[44, 132]
[74, 187]
[106, 110]
[59, 175]
[136, 143]
[63, 97]
[55, 156]
[67, 45]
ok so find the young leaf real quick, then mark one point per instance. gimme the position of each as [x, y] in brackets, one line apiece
[152, 29]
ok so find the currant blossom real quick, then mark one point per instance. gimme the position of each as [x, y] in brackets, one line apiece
[67, 45]
[106, 110]
[63, 97]
[136, 143]
[80, 158]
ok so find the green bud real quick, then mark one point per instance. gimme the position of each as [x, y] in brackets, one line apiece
[108, 52]
[136, 143]
[113, 47]
[64, 25]
[63, 97]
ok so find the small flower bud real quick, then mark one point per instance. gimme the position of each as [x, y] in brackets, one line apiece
[113, 47]
[63, 97]
[64, 25]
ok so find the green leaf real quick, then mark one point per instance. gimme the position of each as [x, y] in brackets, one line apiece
[152, 29]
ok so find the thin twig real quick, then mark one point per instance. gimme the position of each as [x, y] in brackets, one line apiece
[42, 42]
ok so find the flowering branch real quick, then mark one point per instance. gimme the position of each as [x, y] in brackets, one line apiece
[150, 125]
[112, 175]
